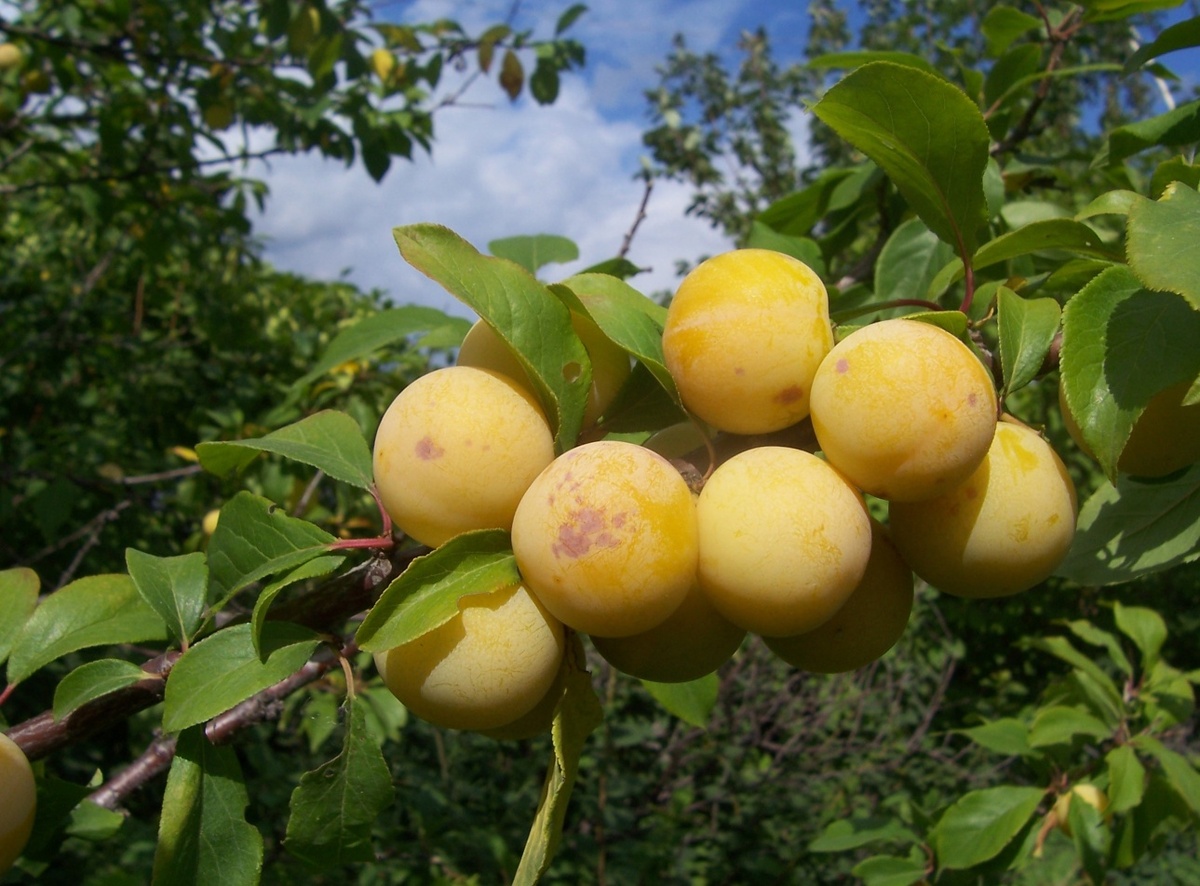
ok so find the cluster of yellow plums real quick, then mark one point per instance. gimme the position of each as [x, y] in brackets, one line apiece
[612, 542]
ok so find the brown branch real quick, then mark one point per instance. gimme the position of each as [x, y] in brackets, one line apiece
[640, 217]
[154, 761]
[329, 603]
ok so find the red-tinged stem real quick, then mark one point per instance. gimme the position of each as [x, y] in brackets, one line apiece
[969, 284]
[8, 690]
[383, 541]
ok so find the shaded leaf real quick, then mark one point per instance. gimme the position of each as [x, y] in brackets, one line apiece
[1006, 735]
[1145, 627]
[425, 595]
[512, 75]
[1121, 345]
[851, 59]
[203, 834]
[844, 834]
[534, 252]
[330, 441]
[1059, 724]
[691, 702]
[981, 823]
[94, 680]
[386, 328]
[891, 870]
[100, 610]
[18, 598]
[1134, 529]
[1027, 328]
[224, 669]
[1177, 127]
[334, 806]
[578, 714]
[1181, 35]
[909, 261]
[1089, 633]
[1181, 774]
[1126, 778]
[312, 569]
[928, 137]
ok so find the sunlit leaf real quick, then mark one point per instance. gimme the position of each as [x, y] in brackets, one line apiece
[522, 311]
[1027, 328]
[330, 441]
[1126, 778]
[224, 669]
[203, 835]
[99, 610]
[18, 598]
[1161, 242]
[175, 587]
[425, 595]
[94, 680]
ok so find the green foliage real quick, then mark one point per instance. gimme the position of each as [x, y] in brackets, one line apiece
[1054, 252]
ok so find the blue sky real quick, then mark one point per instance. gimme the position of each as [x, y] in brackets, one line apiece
[500, 169]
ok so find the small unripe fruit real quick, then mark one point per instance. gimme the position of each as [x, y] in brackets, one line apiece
[867, 625]
[209, 524]
[903, 409]
[19, 790]
[1164, 439]
[1004, 529]
[694, 641]
[1088, 793]
[10, 56]
[606, 537]
[383, 63]
[491, 664]
[784, 540]
[456, 450]
[483, 348]
[743, 338]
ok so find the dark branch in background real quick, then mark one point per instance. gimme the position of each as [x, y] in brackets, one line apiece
[329, 603]
[637, 219]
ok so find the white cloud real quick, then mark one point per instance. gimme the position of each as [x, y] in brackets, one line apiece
[494, 172]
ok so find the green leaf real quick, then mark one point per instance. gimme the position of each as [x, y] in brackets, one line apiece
[1006, 735]
[1175, 128]
[1089, 633]
[928, 137]
[334, 806]
[1135, 529]
[1026, 328]
[1145, 627]
[1004, 24]
[512, 75]
[381, 330]
[522, 311]
[627, 317]
[1061, 648]
[981, 823]
[224, 669]
[857, 58]
[1181, 775]
[18, 598]
[1110, 10]
[312, 569]
[534, 252]
[1126, 778]
[425, 595]
[100, 610]
[94, 680]
[805, 249]
[255, 539]
[569, 17]
[691, 702]
[891, 870]
[203, 835]
[1046, 235]
[1161, 242]
[1181, 35]
[1059, 724]
[174, 587]
[1121, 345]
[330, 441]
[909, 261]
[578, 714]
[845, 834]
